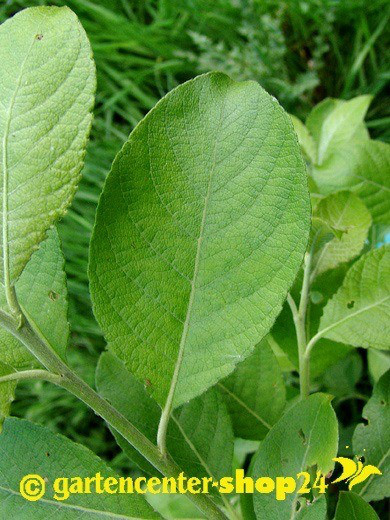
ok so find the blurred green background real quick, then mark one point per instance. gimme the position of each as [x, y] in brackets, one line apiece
[301, 51]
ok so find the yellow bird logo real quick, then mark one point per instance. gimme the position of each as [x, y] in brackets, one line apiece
[355, 472]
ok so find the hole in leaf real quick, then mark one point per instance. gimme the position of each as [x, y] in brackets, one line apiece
[351, 304]
[302, 436]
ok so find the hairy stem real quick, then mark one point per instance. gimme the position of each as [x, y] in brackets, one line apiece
[64, 377]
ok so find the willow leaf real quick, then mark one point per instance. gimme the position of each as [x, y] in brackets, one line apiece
[55, 456]
[47, 82]
[199, 233]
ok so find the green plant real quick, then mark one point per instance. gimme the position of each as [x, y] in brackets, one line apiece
[200, 233]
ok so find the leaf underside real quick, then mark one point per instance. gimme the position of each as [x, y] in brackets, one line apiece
[200, 231]
[55, 456]
[47, 84]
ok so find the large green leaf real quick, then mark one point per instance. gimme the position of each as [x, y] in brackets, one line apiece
[358, 313]
[372, 441]
[42, 293]
[200, 230]
[30, 449]
[345, 213]
[255, 393]
[305, 436]
[351, 507]
[47, 83]
[200, 436]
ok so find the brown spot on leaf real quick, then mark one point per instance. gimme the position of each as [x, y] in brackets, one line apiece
[53, 296]
[302, 436]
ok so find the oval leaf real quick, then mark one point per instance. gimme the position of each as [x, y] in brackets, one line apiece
[46, 90]
[199, 233]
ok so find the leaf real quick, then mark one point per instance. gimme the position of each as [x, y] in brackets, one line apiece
[365, 168]
[346, 213]
[340, 125]
[42, 293]
[30, 449]
[372, 441]
[174, 506]
[199, 233]
[313, 511]
[255, 393]
[46, 91]
[305, 436]
[321, 113]
[340, 379]
[7, 391]
[200, 436]
[358, 313]
[304, 138]
[351, 507]
[318, 115]
[378, 363]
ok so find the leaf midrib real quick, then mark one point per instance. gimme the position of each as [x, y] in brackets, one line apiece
[186, 325]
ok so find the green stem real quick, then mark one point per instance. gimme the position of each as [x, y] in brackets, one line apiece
[299, 317]
[31, 374]
[63, 376]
